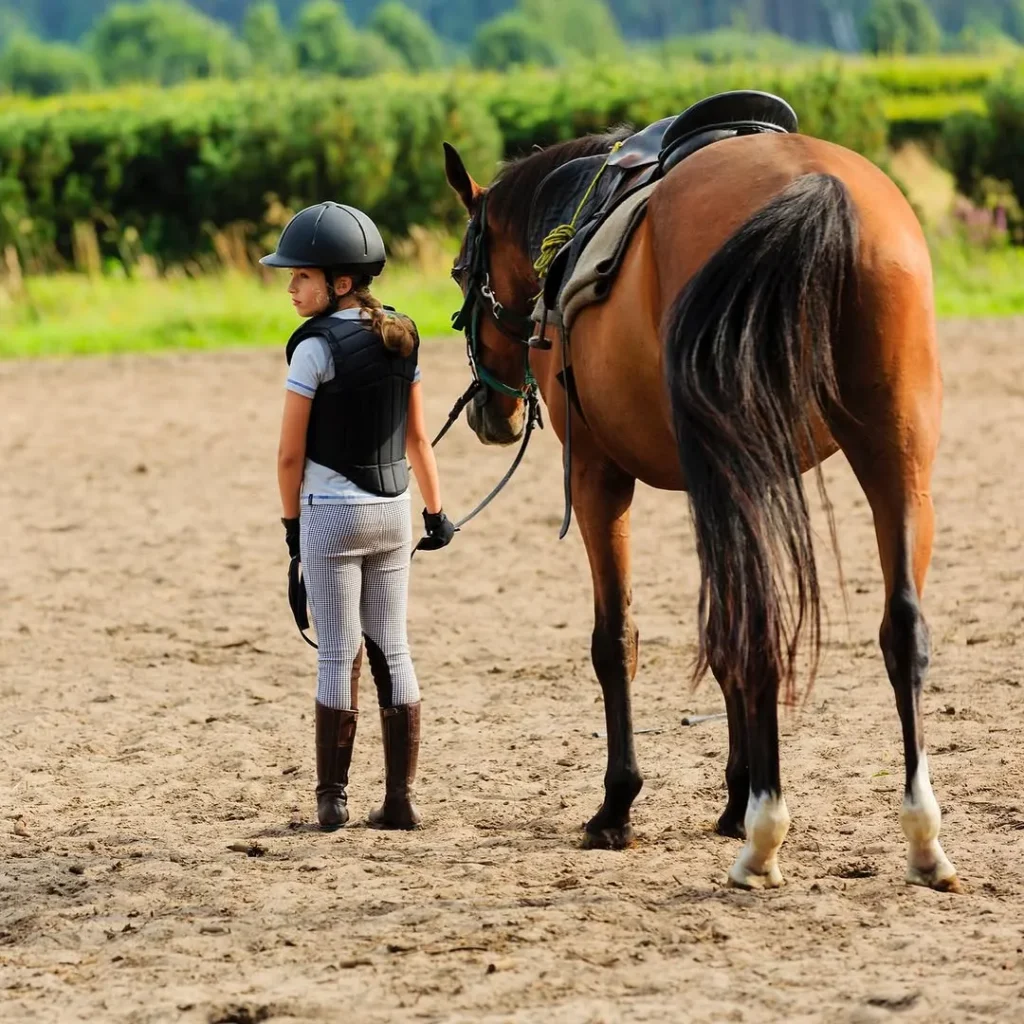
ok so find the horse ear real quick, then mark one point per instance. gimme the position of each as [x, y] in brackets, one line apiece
[459, 179]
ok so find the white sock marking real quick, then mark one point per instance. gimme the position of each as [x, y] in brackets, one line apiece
[767, 822]
[921, 819]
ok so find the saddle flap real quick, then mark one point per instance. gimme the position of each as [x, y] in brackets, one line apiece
[642, 149]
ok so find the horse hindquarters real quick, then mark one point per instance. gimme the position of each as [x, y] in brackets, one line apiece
[748, 352]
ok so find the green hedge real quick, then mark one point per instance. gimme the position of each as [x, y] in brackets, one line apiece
[922, 116]
[925, 76]
[175, 165]
[539, 108]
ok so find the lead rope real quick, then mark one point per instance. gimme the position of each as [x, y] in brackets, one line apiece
[533, 420]
[553, 243]
[564, 233]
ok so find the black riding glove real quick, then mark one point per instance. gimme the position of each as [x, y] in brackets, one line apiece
[440, 530]
[291, 536]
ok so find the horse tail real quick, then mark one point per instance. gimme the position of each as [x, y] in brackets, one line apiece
[749, 361]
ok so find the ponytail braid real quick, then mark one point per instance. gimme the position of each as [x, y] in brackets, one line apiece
[397, 332]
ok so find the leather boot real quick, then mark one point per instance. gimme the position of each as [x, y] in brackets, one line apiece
[400, 728]
[335, 733]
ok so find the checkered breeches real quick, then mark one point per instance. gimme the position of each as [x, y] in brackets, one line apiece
[355, 561]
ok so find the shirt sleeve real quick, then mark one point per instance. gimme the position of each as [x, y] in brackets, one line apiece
[416, 376]
[308, 369]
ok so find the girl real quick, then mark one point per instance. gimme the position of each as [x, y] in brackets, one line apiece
[353, 411]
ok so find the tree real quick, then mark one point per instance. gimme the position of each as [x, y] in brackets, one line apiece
[901, 26]
[512, 39]
[326, 41]
[407, 33]
[1013, 19]
[586, 26]
[266, 38]
[29, 65]
[164, 41]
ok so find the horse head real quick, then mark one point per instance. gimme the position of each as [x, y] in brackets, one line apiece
[497, 282]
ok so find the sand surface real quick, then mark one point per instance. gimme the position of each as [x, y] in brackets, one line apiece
[155, 711]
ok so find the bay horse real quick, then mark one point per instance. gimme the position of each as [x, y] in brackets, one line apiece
[774, 306]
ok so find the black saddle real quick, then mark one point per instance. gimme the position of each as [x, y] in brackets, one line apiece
[725, 111]
[642, 159]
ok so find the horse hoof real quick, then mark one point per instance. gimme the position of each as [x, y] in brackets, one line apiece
[741, 877]
[941, 877]
[608, 838]
[731, 827]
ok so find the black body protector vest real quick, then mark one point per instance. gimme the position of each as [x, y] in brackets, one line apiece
[358, 420]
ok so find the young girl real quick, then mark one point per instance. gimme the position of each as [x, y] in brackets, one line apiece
[353, 411]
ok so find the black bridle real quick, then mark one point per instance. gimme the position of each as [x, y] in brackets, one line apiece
[473, 273]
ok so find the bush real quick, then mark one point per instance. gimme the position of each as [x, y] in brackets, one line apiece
[985, 152]
[725, 45]
[29, 65]
[511, 40]
[541, 108]
[927, 75]
[985, 39]
[927, 117]
[164, 41]
[175, 166]
[408, 35]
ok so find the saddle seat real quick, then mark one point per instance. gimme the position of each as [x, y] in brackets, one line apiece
[640, 161]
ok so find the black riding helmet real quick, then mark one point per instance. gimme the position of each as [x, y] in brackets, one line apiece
[338, 238]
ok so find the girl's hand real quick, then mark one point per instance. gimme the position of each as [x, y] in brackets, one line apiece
[291, 536]
[440, 531]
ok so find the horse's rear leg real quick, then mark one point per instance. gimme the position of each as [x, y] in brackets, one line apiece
[766, 820]
[737, 768]
[892, 450]
[602, 495]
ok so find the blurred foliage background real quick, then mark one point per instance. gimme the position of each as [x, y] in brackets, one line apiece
[147, 144]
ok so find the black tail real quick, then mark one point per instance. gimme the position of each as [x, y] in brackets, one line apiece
[749, 364]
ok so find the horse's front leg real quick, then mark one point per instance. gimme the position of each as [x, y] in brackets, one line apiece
[602, 495]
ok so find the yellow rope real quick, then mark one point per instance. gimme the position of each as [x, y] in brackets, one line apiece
[564, 233]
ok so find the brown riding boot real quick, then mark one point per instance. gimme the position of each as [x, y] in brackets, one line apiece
[335, 733]
[400, 728]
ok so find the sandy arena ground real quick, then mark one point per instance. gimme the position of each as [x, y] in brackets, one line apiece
[156, 724]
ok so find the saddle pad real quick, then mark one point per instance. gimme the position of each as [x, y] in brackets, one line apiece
[591, 278]
[559, 195]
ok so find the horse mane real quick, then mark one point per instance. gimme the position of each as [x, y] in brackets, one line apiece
[510, 195]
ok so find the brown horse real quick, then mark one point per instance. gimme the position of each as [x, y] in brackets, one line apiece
[774, 306]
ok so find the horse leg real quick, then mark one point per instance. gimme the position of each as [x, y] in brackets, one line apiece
[896, 480]
[766, 820]
[737, 768]
[602, 495]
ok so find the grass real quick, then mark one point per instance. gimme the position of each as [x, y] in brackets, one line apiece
[973, 282]
[70, 314]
